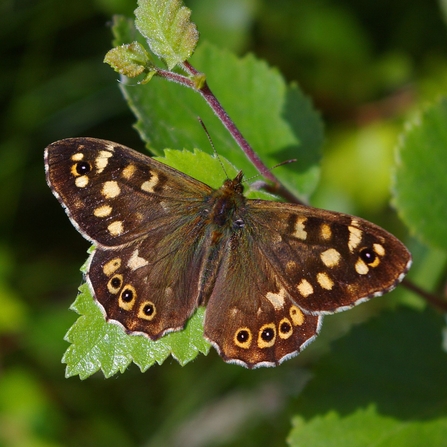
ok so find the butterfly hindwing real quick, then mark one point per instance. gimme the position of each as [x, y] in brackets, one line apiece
[250, 317]
[142, 287]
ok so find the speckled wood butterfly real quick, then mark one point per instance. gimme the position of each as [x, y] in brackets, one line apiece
[166, 243]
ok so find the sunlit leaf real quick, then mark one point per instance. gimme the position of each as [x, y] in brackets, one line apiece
[168, 30]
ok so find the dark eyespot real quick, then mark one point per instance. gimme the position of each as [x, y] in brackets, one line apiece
[115, 282]
[285, 327]
[127, 295]
[148, 309]
[367, 255]
[242, 336]
[268, 334]
[82, 167]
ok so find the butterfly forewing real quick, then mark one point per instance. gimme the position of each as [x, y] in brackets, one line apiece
[115, 195]
[327, 261]
[167, 243]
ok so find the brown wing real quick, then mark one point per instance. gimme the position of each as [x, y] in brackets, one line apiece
[151, 286]
[114, 195]
[287, 266]
[327, 261]
[144, 218]
[250, 318]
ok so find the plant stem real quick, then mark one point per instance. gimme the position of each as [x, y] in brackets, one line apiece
[216, 107]
[429, 297]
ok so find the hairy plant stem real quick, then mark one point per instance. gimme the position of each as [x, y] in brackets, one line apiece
[275, 187]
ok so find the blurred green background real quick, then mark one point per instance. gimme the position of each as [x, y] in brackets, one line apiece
[367, 65]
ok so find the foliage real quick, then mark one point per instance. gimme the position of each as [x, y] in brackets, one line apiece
[421, 181]
[375, 374]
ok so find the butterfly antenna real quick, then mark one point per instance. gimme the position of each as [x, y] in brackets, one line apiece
[212, 145]
[262, 184]
[282, 163]
[285, 162]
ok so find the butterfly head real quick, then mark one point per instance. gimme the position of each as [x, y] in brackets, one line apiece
[234, 186]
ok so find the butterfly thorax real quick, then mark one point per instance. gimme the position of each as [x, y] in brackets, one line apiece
[226, 203]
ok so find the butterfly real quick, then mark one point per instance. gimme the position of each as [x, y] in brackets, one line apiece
[166, 243]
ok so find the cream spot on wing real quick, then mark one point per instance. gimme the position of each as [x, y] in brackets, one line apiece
[324, 281]
[277, 299]
[135, 262]
[150, 184]
[128, 171]
[296, 315]
[111, 266]
[102, 211]
[361, 268]
[325, 231]
[299, 231]
[355, 237]
[78, 204]
[101, 160]
[110, 189]
[138, 216]
[379, 249]
[82, 181]
[78, 156]
[116, 228]
[330, 257]
[305, 288]
[110, 146]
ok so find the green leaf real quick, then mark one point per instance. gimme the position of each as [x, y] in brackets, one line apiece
[281, 123]
[198, 164]
[366, 427]
[129, 59]
[99, 345]
[166, 26]
[420, 177]
[383, 385]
